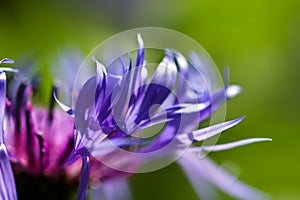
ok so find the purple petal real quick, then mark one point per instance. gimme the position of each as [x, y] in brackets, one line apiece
[231, 145]
[112, 190]
[140, 56]
[139, 76]
[206, 170]
[204, 190]
[64, 107]
[6, 69]
[160, 86]
[100, 148]
[74, 156]
[167, 135]
[217, 99]
[84, 104]
[166, 72]
[171, 113]
[202, 134]
[156, 94]
[7, 182]
[2, 102]
[226, 76]
[121, 98]
[183, 77]
[84, 178]
[101, 85]
[139, 73]
[6, 60]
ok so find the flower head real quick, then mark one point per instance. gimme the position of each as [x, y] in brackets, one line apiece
[118, 104]
[112, 131]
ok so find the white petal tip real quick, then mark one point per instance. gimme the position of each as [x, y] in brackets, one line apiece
[233, 90]
[140, 40]
[266, 139]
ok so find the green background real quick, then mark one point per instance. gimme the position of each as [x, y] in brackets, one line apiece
[259, 40]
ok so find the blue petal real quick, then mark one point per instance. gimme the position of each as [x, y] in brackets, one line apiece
[168, 134]
[183, 82]
[101, 85]
[6, 60]
[158, 89]
[139, 74]
[141, 54]
[84, 178]
[217, 99]
[205, 133]
[231, 145]
[85, 103]
[120, 98]
[64, 107]
[171, 113]
[156, 94]
[7, 182]
[165, 73]
[2, 102]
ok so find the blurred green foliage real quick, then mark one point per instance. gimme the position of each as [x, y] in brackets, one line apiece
[259, 40]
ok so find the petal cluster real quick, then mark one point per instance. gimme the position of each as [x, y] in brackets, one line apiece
[115, 107]
[112, 132]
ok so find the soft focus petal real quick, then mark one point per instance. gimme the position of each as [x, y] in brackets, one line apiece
[206, 170]
[112, 190]
[232, 91]
[204, 190]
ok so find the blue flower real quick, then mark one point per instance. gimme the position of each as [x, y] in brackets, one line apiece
[118, 104]
[116, 115]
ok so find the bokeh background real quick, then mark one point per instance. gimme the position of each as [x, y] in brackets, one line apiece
[259, 40]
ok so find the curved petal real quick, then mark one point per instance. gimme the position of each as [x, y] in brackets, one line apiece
[231, 145]
[205, 133]
[208, 171]
[6, 60]
[64, 107]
